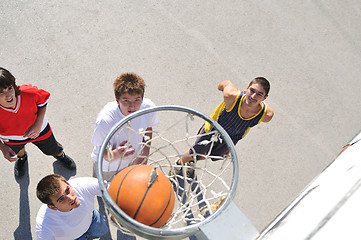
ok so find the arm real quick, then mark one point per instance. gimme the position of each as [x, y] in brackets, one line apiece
[34, 130]
[230, 92]
[269, 114]
[114, 150]
[89, 184]
[143, 159]
[148, 135]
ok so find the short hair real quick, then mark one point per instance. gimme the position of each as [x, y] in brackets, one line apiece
[263, 82]
[48, 186]
[7, 80]
[130, 83]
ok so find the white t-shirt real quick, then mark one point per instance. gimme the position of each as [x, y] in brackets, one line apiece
[53, 224]
[108, 117]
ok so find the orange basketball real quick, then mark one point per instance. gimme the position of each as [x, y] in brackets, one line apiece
[144, 193]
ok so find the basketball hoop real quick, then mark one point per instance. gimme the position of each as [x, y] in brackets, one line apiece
[199, 199]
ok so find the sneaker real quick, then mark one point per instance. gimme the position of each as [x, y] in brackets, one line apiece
[190, 169]
[67, 161]
[178, 169]
[19, 168]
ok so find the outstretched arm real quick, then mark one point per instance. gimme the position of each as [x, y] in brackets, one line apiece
[230, 92]
[269, 114]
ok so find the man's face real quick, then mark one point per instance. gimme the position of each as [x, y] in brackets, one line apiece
[129, 103]
[65, 200]
[7, 97]
[255, 94]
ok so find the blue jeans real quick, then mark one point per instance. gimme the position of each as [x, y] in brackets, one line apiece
[97, 228]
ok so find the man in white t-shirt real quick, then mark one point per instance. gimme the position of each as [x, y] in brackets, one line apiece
[68, 211]
[127, 146]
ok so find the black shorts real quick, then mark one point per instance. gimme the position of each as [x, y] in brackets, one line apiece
[48, 146]
[204, 146]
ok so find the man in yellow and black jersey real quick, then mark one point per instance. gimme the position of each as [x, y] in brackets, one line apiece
[237, 114]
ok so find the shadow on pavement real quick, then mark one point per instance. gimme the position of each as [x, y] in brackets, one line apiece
[61, 170]
[23, 231]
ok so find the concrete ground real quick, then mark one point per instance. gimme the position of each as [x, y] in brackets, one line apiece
[309, 50]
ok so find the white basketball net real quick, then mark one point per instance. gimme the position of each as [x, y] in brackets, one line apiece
[198, 197]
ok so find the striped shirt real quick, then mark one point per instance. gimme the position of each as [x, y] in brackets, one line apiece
[231, 120]
[15, 122]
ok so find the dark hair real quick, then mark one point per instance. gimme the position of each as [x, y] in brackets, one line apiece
[48, 186]
[7, 80]
[263, 82]
[130, 83]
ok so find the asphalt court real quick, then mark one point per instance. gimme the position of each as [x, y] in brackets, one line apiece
[310, 52]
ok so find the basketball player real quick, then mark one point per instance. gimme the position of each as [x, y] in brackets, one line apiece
[129, 91]
[22, 114]
[129, 97]
[237, 114]
[68, 211]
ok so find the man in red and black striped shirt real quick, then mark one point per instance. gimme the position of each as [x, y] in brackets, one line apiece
[22, 114]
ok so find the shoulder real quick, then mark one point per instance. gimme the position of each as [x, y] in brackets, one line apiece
[230, 98]
[85, 185]
[30, 91]
[44, 223]
[83, 181]
[152, 119]
[230, 92]
[110, 107]
[108, 111]
[228, 89]
[108, 116]
[28, 88]
[44, 218]
[147, 103]
[269, 113]
[41, 213]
